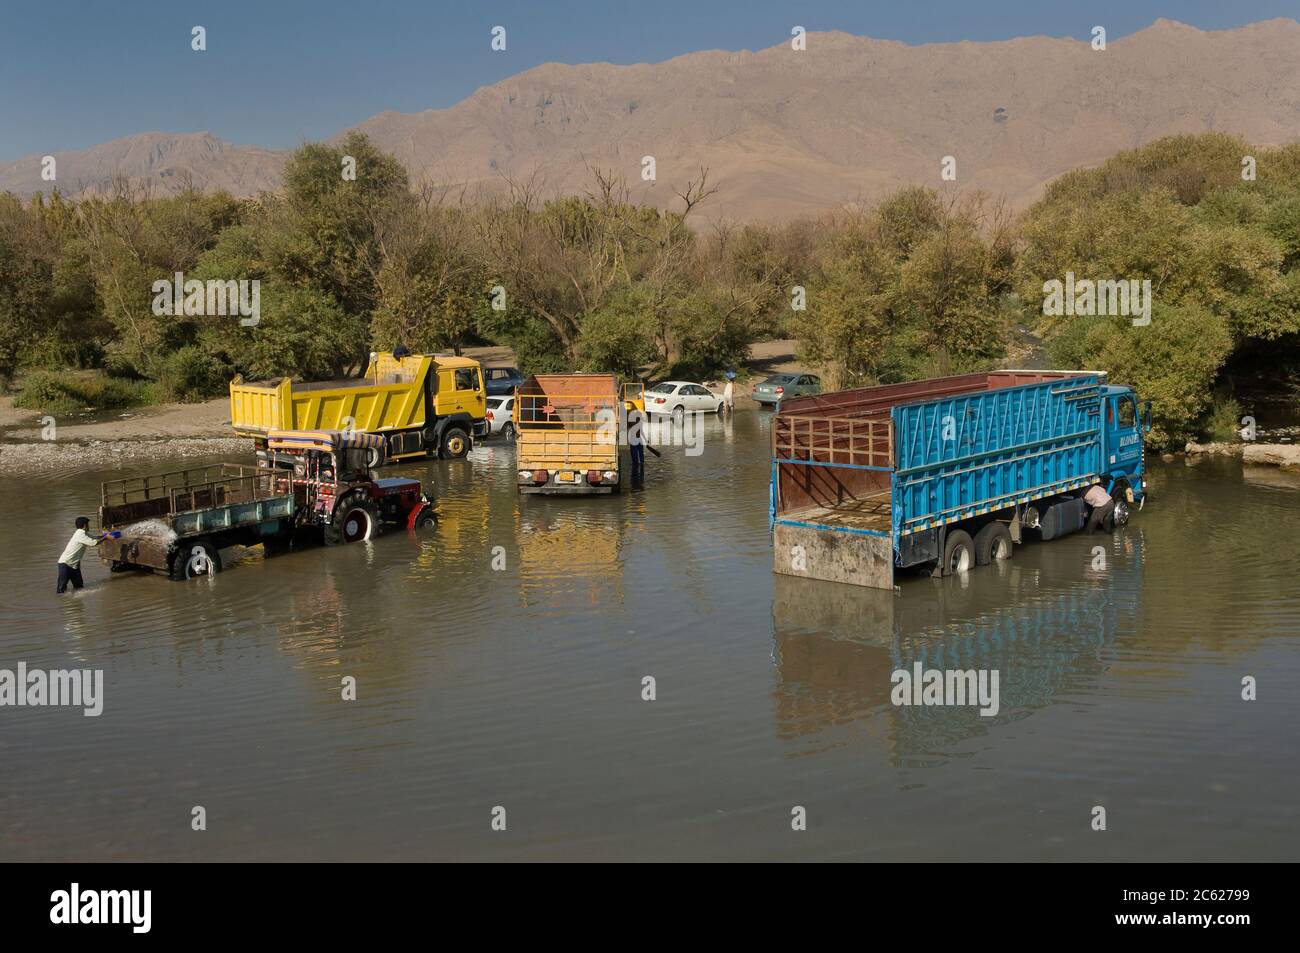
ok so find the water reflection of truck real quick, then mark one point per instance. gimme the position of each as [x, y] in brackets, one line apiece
[836, 646]
[567, 433]
[946, 474]
[418, 403]
[316, 482]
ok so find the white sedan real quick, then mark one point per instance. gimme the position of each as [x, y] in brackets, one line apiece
[678, 398]
[500, 413]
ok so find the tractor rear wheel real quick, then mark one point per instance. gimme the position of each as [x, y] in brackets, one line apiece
[354, 520]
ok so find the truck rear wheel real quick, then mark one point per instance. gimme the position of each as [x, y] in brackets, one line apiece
[958, 553]
[455, 444]
[355, 520]
[993, 541]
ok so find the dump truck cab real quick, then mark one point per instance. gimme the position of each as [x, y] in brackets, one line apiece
[420, 404]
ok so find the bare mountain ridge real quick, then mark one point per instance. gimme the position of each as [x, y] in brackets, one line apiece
[786, 132]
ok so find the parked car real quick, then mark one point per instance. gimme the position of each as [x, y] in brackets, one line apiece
[500, 414]
[680, 397]
[502, 380]
[779, 386]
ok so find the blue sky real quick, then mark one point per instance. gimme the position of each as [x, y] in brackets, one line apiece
[278, 72]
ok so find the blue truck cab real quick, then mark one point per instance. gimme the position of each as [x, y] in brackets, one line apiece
[1122, 446]
[948, 473]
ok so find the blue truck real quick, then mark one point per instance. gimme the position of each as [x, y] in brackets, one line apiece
[949, 473]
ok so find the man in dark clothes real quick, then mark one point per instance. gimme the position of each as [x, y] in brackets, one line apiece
[636, 443]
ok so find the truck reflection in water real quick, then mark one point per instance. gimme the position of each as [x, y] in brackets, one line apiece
[568, 557]
[1045, 623]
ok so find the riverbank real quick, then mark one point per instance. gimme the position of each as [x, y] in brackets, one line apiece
[33, 443]
[1255, 454]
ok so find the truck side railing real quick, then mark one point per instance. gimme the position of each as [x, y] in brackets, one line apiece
[180, 491]
[834, 441]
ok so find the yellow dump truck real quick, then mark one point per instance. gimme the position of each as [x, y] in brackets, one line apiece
[567, 429]
[419, 404]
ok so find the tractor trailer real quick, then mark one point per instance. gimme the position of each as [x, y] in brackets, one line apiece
[949, 473]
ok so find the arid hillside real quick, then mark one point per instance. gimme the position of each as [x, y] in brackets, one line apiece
[787, 132]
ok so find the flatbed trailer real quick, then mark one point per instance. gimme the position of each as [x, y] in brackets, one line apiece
[946, 473]
[177, 522]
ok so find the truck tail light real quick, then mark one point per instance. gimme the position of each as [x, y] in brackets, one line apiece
[593, 476]
[540, 476]
[610, 475]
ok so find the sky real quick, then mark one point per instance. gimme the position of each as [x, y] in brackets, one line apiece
[280, 72]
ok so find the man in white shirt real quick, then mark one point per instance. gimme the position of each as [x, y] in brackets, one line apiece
[70, 561]
[1102, 506]
[729, 394]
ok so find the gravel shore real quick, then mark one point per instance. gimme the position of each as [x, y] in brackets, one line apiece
[40, 456]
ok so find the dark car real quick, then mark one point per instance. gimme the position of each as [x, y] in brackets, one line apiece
[502, 381]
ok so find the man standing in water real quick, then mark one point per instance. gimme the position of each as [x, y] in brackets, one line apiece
[70, 561]
[729, 394]
[1102, 506]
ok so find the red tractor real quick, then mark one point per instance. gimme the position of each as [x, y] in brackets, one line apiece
[334, 488]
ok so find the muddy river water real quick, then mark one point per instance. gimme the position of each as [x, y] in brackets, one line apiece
[500, 662]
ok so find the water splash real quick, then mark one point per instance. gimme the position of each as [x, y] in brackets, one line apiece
[154, 529]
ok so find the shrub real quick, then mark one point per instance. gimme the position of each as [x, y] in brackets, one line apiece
[65, 392]
[193, 374]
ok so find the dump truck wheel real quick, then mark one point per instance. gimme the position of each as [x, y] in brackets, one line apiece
[354, 521]
[993, 541]
[196, 558]
[958, 553]
[455, 444]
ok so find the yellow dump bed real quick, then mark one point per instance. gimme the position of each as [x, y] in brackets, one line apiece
[389, 397]
[567, 433]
